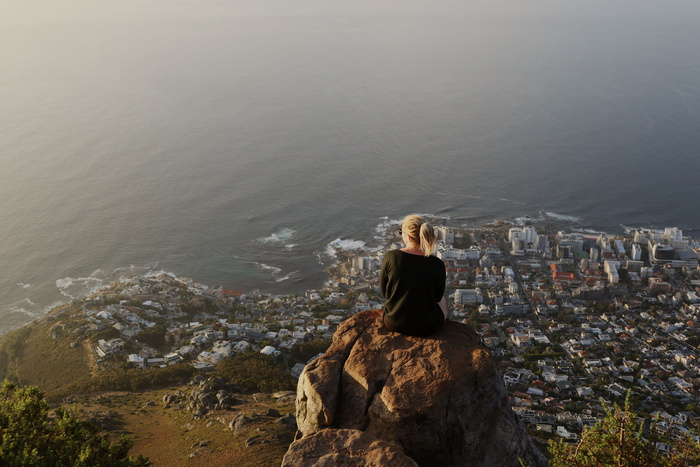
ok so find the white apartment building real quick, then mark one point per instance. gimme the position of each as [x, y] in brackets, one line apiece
[468, 296]
[527, 234]
[636, 254]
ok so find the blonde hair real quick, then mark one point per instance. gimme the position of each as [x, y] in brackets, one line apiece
[420, 232]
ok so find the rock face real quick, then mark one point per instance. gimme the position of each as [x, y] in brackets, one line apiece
[331, 448]
[439, 398]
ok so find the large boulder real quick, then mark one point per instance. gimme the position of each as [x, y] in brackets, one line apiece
[333, 448]
[441, 398]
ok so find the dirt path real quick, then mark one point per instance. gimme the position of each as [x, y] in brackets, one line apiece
[90, 357]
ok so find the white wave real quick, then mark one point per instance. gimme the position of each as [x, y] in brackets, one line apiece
[23, 285]
[84, 280]
[50, 307]
[290, 246]
[146, 270]
[287, 277]
[629, 230]
[283, 235]
[340, 244]
[158, 272]
[589, 231]
[63, 283]
[512, 201]
[28, 301]
[78, 287]
[561, 217]
[23, 311]
[347, 244]
[24, 307]
[267, 267]
[523, 220]
[386, 224]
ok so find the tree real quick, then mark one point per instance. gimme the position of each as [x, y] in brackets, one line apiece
[617, 440]
[106, 334]
[154, 336]
[690, 407]
[305, 350]
[29, 436]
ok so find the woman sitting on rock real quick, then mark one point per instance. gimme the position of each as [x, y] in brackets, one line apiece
[413, 282]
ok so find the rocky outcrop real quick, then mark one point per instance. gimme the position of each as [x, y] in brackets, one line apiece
[331, 448]
[440, 399]
[205, 395]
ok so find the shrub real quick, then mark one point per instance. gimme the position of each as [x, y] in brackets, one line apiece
[132, 379]
[28, 436]
[255, 372]
[618, 440]
[153, 336]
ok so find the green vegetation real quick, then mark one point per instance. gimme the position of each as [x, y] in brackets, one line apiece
[106, 334]
[254, 372]
[10, 349]
[28, 436]
[533, 357]
[46, 362]
[463, 240]
[131, 379]
[620, 441]
[306, 350]
[168, 436]
[154, 336]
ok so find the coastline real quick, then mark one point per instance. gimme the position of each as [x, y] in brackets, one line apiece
[326, 257]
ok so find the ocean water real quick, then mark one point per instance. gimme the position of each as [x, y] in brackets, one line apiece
[234, 141]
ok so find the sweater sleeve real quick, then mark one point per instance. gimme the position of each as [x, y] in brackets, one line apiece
[441, 277]
[383, 277]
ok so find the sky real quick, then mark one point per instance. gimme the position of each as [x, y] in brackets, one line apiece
[48, 11]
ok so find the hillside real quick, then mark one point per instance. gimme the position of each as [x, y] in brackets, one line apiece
[57, 354]
[170, 436]
[166, 435]
[47, 353]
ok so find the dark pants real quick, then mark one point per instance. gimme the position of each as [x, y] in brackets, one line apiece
[422, 331]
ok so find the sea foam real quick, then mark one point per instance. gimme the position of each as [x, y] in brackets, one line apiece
[339, 244]
[561, 217]
[511, 201]
[283, 235]
[287, 277]
[589, 231]
[266, 267]
[78, 287]
[25, 307]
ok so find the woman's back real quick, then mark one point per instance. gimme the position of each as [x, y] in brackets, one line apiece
[412, 285]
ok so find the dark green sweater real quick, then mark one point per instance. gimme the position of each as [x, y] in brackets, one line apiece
[412, 285]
